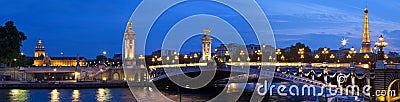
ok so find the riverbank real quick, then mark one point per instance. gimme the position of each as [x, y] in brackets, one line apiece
[61, 85]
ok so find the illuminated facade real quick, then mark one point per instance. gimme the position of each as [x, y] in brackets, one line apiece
[206, 45]
[366, 42]
[40, 58]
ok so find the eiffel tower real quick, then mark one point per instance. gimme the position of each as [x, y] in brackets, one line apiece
[366, 42]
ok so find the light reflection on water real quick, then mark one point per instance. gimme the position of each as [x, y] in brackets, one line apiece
[67, 95]
[103, 95]
[19, 95]
[54, 95]
[75, 95]
[117, 94]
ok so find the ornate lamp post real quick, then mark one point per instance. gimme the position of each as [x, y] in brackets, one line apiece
[301, 54]
[278, 53]
[226, 55]
[185, 57]
[348, 57]
[259, 53]
[366, 57]
[380, 44]
[316, 57]
[332, 57]
[195, 57]
[325, 51]
[351, 53]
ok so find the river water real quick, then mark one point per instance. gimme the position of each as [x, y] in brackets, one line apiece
[112, 95]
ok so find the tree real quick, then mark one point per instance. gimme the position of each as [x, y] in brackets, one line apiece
[10, 43]
[293, 55]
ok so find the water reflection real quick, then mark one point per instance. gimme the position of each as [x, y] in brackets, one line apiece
[54, 95]
[75, 95]
[103, 94]
[19, 95]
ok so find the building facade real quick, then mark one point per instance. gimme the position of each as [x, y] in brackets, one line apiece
[41, 58]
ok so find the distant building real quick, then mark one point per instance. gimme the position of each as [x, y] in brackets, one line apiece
[164, 52]
[117, 57]
[393, 55]
[41, 59]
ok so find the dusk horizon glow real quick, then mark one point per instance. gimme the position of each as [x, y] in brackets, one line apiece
[87, 28]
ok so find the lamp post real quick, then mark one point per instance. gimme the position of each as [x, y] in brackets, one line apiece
[54, 75]
[325, 51]
[15, 61]
[259, 53]
[332, 57]
[278, 53]
[351, 53]
[226, 56]
[195, 57]
[381, 44]
[366, 57]
[348, 57]
[185, 57]
[301, 54]
[316, 57]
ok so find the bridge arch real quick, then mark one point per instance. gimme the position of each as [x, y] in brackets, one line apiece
[389, 92]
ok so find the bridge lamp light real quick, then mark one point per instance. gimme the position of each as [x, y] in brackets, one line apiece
[283, 58]
[226, 53]
[278, 52]
[242, 53]
[332, 56]
[386, 56]
[141, 57]
[366, 56]
[176, 58]
[316, 56]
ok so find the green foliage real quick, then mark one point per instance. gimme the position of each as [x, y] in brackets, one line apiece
[10, 43]
[293, 55]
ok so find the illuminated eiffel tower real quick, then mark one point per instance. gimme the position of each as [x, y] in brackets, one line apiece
[366, 42]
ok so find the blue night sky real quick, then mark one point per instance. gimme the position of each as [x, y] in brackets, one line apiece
[88, 27]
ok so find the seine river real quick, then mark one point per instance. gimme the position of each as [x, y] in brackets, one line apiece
[109, 95]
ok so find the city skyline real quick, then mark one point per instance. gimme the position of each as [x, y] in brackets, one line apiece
[99, 27]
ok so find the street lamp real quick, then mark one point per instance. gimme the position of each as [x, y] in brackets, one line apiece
[259, 53]
[332, 57]
[226, 55]
[325, 51]
[301, 54]
[351, 53]
[185, 57]
[278, 52]
[316, 57]
[381, 43]
[282, 58]
[15, 61]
